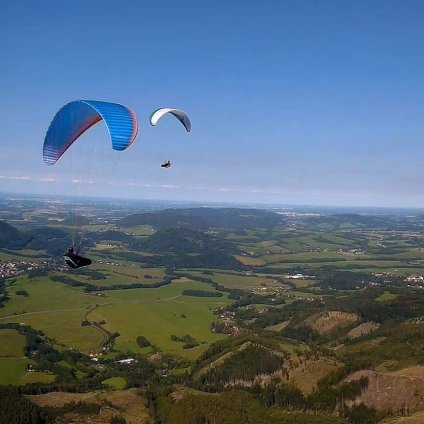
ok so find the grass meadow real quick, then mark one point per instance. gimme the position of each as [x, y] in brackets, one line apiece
[158, 313]
[58, 311]
[11, 344]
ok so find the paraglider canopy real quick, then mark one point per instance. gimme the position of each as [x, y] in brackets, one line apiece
[76, 117]
[179, 114]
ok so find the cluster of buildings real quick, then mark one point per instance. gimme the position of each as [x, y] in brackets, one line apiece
[265, 290]
[351, 251]
[299, 277]
[9, 269]
[94, 356]
[14, 268]
[227, 324]
[227, 328]
[126, 361]
[97, 354]
[415, 280]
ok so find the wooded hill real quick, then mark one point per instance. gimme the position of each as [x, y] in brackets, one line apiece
[183, 240]
[205, 218]
[51, 239]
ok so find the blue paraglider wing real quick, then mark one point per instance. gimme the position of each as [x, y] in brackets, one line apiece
[76, 117]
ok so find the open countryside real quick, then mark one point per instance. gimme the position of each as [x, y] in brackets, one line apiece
[275, 308]
[212, 212]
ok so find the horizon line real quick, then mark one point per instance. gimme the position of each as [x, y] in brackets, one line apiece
[250, 204]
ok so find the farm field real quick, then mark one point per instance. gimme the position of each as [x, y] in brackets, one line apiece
[54, 308]
[12, 370]
[386, 296]
[357, 265]
[248, 260]
[140, 230]
[13, 363]
[44, 294]
[11, 343]
[241, 281]
[58, 311]
[37, 377]
[121, 274]
[117, 383]
[295, 294]
[131, 313]
[64, 327]
[302, 282]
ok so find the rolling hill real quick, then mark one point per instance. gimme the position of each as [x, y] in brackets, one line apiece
[205, 218]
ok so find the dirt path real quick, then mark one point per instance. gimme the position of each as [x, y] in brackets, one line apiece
[41, 312]
[97, 327]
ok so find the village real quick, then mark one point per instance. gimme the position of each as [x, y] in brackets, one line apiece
[14, 268]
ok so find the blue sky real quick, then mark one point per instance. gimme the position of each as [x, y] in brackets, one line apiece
[305, 102]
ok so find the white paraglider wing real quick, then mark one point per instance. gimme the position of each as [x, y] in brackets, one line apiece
[179, 114]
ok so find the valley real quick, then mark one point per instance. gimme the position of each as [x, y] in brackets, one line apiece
[282, 316]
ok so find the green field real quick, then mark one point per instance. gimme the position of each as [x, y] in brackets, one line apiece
[303, 282]
[156, 315]
[240, 281]
[386, 296]
[120, 274]
[11, 343]
[53, 308]
[37, 377]
[116, 383]
[12, 361]
[140, 230]
[304, 257]
[294, 294]
[58, 311]
[250, 260]
[12, 370]
[44, 295]
[64, 328]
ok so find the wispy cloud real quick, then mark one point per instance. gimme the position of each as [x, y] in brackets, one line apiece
[225, 189]
[137, 184]
[169, 186]
[15, 178]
